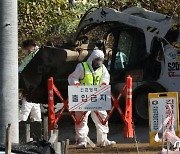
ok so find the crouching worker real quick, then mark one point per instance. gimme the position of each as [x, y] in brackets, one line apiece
[92, 72]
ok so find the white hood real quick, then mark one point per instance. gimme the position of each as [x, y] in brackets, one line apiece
[79, 71]
[95, 54]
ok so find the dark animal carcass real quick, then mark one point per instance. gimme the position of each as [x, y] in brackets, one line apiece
[48, 62]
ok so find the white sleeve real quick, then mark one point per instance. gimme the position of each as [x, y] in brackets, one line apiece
[76, 75]
[106, 76]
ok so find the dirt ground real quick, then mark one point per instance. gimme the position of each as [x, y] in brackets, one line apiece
[124, 148]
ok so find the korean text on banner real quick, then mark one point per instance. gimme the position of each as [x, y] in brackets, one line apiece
[159, 111]
[89, 98]
[158, 107]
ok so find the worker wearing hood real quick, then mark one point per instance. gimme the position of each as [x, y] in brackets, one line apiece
[30, 48]
[92, 72]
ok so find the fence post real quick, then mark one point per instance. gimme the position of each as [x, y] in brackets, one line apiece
[63, 146]
[8, 139]
[45, 128]
[67, 146]
[56, 131]
[27, 137]
[128, 130]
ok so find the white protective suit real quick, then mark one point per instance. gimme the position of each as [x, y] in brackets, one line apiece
[82, 129]
[29, 107]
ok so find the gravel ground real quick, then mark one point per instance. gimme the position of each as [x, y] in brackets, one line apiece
[124, 148]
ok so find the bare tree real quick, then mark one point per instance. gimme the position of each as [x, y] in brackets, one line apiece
[8, 69]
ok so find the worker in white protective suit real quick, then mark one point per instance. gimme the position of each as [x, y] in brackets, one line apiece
[92, 72]
[29, 46]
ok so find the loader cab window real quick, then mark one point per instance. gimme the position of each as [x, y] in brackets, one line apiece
[123, 50]
[130, 50]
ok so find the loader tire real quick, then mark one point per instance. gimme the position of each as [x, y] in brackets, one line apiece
[140, 101]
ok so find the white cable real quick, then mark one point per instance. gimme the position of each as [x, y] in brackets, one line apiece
[90, 142]
[136, 139]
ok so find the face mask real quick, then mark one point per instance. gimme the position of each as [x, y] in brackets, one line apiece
[97, 64]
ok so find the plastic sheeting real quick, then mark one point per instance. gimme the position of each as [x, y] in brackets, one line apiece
[34, 147]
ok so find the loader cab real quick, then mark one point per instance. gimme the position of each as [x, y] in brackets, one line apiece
[129, 53]
[129, 57]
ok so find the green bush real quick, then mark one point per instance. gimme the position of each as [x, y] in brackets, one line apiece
[44, 19]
